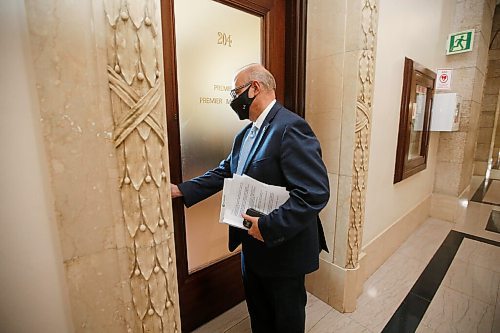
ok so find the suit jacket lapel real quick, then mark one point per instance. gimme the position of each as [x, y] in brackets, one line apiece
[237, 148]
[261, 134]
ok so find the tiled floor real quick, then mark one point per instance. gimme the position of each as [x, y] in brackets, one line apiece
[466, 297]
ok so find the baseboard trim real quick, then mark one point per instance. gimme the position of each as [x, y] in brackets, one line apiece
[386, 243]
[340, 287]
[447, 207]
[334, 285]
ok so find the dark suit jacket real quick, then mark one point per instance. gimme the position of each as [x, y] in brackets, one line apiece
[285, 153]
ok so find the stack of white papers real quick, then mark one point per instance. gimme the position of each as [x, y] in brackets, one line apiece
[243, 192]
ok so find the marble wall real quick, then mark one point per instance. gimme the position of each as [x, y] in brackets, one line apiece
[454, 170]
[487, 118]
[34, 293]
[69, 43]
[77, 129]
[387, 203]
[456, 149]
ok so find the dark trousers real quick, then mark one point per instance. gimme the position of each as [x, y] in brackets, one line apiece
[275, 304]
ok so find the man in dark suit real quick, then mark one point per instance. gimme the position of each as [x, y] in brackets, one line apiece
[277, 148]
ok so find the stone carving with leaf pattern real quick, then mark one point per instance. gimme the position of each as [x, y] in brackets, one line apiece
[362, 131]
[136, 83]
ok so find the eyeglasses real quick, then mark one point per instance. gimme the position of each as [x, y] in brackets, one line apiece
[233, 91]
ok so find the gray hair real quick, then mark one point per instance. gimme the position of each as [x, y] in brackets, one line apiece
[257, 72]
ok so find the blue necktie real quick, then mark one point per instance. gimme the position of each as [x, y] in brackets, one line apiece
[245, 149]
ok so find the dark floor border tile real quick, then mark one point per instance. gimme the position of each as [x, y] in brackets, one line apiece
[430, 279]
[411, 311]
[482, 240]
[491, 225]
[408, 315]
[481, 192]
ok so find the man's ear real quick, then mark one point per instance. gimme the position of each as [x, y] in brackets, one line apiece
[256, 88]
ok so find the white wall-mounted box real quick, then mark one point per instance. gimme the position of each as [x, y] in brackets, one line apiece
[445, 116]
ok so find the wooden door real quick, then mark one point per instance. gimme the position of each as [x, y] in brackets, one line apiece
[208, 290]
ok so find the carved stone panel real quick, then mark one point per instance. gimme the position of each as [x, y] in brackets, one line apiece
[362, 131]
[136, 84]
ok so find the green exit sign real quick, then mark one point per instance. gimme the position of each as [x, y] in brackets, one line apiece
[459, 42]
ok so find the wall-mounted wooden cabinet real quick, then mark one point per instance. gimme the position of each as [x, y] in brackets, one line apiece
[414, 120]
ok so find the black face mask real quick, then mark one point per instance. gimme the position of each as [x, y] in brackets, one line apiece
[241, 105]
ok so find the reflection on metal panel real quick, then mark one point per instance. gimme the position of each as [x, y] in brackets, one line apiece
[212, 40]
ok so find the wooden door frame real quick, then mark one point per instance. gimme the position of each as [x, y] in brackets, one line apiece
[295, 56]
[294, 99]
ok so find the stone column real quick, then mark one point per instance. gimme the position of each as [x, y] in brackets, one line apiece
[456, 149]
[98, 69]
[485, 146]
[341, 120]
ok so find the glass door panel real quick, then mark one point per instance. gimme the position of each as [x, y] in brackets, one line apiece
[212, 41]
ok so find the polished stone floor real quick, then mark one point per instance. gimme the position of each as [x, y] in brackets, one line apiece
[444, 278]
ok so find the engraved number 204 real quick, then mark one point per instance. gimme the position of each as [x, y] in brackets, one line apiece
[224, 39]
